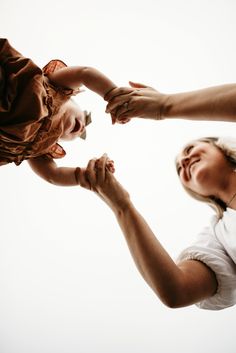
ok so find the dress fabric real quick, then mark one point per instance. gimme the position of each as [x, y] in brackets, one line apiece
[29, 106]
[216, 247]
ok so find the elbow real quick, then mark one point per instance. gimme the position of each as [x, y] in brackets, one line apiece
[172, 301]
[86, 71]
[172, 296]
[51, 179]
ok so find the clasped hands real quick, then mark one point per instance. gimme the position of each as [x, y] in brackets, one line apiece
[124, 103]
[98, 176]
[138, 100]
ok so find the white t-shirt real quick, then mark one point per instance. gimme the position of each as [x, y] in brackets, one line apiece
[216, 247]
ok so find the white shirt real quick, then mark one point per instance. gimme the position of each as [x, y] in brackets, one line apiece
[216, 247]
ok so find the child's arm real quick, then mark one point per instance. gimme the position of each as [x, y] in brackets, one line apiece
[47, 169]
[75, 76]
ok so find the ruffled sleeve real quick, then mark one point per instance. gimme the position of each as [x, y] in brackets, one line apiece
[210, 251]
[53, 66]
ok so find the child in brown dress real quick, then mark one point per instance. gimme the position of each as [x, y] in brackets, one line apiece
[36, 111]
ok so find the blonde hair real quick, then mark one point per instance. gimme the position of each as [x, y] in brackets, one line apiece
[227, 145]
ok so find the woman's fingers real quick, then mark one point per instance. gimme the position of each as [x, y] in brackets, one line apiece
[90, 172]
[95, 174]
[137, 85]
[80, 174]
[101, 166]
[117, 92]
[118, 101]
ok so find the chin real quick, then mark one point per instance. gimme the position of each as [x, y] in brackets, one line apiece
[68, 138]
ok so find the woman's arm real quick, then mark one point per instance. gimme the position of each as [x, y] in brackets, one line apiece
[213, 103]
[74, 77]
[176, 285]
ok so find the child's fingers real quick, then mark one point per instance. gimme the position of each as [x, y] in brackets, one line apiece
[110, 166]
[113, 119]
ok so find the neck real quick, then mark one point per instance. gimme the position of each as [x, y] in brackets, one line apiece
[231, 201]
[229, 193]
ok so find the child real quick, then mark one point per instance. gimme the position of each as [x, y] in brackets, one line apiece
[36, 111]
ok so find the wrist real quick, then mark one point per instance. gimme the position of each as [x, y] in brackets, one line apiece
[123, 207]
[77, 172]
[164, 111]
[108, 92]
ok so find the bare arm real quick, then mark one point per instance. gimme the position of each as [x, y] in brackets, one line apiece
[214, 103]
[48, 170]
[176, 285]
[74, 77]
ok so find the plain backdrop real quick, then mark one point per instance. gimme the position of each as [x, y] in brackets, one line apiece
[67, 281]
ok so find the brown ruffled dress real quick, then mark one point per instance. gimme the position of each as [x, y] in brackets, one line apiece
[28, 107]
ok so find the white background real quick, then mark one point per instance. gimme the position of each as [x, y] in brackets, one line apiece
[67, 281]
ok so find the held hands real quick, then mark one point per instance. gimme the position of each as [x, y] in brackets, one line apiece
[99, 177]
[140, 100]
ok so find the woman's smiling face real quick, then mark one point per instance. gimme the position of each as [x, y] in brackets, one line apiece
[202, 168]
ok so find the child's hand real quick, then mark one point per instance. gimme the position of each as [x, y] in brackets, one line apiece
[110, 166]
[98, 178]
[81, 173]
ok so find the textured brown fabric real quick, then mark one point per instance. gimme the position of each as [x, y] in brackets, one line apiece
[29, 107]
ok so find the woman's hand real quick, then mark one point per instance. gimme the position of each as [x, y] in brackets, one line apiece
[140, 100]
[98, 177]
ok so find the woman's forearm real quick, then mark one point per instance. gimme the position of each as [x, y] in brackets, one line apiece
[153, 262]
[214, 103]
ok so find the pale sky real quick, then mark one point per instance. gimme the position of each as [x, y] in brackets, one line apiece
[68, 283]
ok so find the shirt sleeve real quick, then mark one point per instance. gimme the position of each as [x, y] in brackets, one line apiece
[210, 251]
[53, 66]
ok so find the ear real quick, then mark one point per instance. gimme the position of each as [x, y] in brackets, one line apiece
[56, 151]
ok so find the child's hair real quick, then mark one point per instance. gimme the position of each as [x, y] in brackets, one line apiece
[227, 145]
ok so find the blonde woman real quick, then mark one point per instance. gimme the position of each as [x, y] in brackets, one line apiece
[205, 272]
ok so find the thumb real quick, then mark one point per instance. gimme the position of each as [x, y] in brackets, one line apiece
[137, 85]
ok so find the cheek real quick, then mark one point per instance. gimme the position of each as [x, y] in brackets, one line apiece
[199, 179]
[202, 181]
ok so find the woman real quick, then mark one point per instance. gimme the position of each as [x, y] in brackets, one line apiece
[205, 273]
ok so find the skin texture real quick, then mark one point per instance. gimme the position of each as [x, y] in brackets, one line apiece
[71, 114]
[73, 121]
[200, 167]
[214, 103]
[176, 285]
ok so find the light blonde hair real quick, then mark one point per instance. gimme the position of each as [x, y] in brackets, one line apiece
[227, 145]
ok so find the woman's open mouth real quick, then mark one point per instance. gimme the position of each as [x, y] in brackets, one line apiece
[190, 167]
